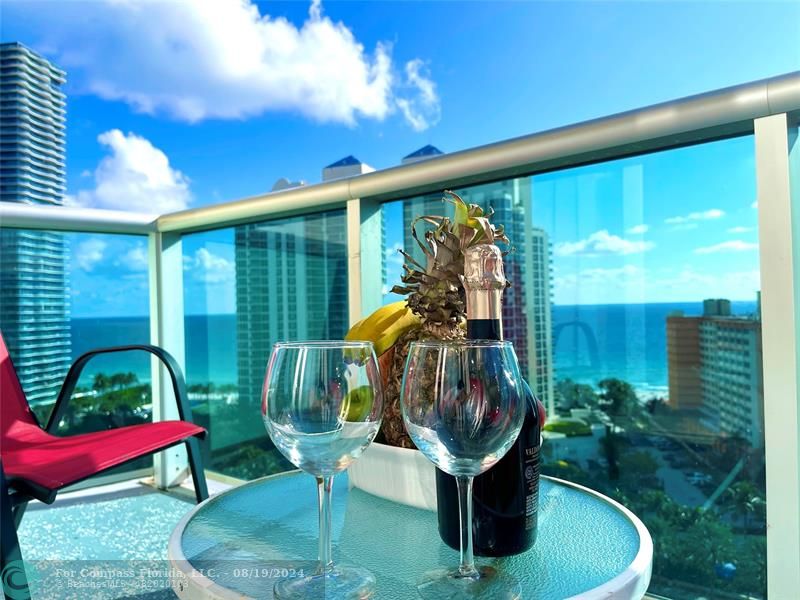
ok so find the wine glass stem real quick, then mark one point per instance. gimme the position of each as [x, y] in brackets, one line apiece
[324, 490]
[467, 566]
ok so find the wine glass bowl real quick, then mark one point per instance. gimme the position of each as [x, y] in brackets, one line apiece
[463, 405]
[322, 405]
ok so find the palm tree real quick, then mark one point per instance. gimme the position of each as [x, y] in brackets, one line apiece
[117, 380]
[744, 497]
[618, 396]
[101, 382]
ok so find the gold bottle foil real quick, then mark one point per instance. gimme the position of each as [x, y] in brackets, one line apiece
[484, 281]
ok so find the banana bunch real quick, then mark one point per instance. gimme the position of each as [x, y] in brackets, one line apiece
[385, 326]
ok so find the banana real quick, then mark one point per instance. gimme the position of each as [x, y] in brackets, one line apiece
[362, 329]
[385, 326]
[407, 321]
[352, 334]
[365, 328]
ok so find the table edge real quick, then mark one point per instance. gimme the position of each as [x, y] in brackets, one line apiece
[190, 577]
[631, 583]
[635, 579]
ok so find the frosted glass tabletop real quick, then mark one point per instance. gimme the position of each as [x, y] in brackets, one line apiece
[237, 544]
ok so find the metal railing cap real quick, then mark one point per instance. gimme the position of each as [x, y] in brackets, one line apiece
[703, 117]
[75, 219]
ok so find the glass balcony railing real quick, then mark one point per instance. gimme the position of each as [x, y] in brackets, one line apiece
[652, 305]
[58, 300]
[654, 397]
[244, 289]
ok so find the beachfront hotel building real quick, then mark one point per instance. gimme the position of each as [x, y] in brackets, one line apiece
[34, 278]
[715, 367]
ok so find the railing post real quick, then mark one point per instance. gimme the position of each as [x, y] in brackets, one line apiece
[364, 257]
[166, 330]
[779, 236]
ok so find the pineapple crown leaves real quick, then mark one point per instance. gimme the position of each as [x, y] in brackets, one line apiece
[473, 224]
[434, 290]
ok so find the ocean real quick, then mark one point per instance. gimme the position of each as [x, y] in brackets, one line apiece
[591, 342]
[626, 341]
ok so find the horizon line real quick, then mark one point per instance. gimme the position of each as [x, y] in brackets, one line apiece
[226, 314]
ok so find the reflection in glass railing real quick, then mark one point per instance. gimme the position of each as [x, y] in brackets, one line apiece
[246, 288]
[635, 308]
[64, 294]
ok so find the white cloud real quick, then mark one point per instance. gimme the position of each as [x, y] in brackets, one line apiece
[601, 285]
[210, 268]
[754, 204]
[634, 284]
[687, 283]
[599, 275]
[421, 110]
[134, 259]
[713, 213]
[89, 253]
[224, 59]
[740, 229]
[730, 246]
[135, 176]
[393, 256]
[639, 229]
[600, 243]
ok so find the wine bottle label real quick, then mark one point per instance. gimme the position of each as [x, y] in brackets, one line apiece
[531, 486]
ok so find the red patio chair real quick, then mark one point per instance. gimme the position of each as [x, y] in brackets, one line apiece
[36, 464]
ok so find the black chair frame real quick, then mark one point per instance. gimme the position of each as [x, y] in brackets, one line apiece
[16, 493]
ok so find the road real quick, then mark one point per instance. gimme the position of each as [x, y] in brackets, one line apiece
[676, 485]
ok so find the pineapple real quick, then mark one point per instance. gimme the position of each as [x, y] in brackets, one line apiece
[435, 294]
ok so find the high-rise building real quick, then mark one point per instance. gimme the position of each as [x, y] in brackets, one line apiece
[716, 307]
[34, 279]
[683, 362]
[291, 282]
[428, 204]
[537, 301]
[715, 366]
[527, 319]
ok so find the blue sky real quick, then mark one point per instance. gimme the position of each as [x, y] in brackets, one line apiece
[176, 105]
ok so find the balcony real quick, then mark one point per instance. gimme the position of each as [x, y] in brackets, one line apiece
[217, 285]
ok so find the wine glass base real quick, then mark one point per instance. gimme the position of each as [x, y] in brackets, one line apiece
[449, 584]
[339, 582]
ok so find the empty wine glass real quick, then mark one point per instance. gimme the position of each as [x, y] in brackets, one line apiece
[322, 406]
[463, 405]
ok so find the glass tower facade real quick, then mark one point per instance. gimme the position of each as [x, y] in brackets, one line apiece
[34, 280]
[291, 284]
[527, 312]
[527, 320]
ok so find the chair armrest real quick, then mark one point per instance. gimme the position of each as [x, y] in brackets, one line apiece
[174, 370]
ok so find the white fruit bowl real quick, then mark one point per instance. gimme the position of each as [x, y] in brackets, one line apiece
[397, 474]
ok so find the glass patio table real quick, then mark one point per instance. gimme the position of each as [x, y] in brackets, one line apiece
[239, 543]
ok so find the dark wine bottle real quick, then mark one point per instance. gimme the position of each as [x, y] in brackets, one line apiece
[504, 499]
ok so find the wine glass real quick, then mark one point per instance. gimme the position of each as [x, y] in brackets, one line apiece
[463, 405]
[322, 405]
